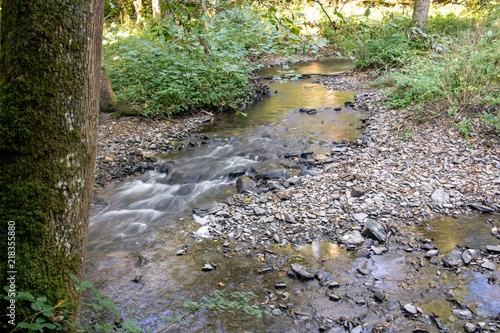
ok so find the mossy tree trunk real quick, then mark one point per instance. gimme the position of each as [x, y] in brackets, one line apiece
[50, 57]
[420, 13]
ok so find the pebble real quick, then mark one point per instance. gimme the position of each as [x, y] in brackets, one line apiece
[410, 308]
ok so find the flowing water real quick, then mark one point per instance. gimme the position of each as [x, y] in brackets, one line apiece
[138, 226]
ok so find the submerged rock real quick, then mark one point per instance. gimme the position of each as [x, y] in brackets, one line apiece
[301, 272]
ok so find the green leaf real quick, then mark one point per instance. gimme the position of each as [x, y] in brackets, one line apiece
[367, 12]
[25, 295]
[296, 31]
[273, 9]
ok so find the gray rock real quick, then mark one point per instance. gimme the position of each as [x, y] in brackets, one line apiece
[470, 327]
[410, 308]
[245, 183]
[352, 238]
[206, 209]
[481, 208]
[431, 253]
[489, 265]
[259, 211]
[374, 231]
[453, 259]
[276, 174]
[208, 267]
[378, 294]
[493, 248]
[301, 272]
[440, 196]
[360, 217]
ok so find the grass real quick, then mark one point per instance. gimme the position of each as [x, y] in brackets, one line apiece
[452, 69]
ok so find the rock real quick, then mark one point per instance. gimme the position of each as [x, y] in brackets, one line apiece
[363, 271]
[266, 270]
[431, 253]
[453, 259]
[481, 208]
[352, 238]
[280, 286]
[360, 217]
[245, 184]
[493, 248]
[277, 174]
[410, 309]
[301, 272]
[276, 312]
[470, 327]
[208, 267]
[468, 256]
[375, 231]
[440, 196]
[332, 284]
[357, 329]
[206, 209]
[259, 211]
[378, 294]
[489, 265]
[147, 154]
[357, 193]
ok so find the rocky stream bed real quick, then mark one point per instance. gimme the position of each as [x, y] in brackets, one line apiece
[370, 198]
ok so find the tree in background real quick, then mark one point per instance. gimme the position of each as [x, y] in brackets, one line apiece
[420, 13]
[50, 55]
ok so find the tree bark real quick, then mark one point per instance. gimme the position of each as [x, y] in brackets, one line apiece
[107, 98]
[138, 11]
[420, 13]
[50, 55]
[155, 4]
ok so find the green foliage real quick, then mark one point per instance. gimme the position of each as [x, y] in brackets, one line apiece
[462, 80]
[383, 44]
[60, 317]
[190, 60]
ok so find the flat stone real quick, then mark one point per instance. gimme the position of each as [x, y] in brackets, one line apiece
[206, 209]
[453, 259]
[208, 267]
[410, 308]
[259, 211]
[470, 327]
[352, 238]
[440, 196]
[431, 253]
[360, 217]
[280, 286]
[493, 248]
[482, 208]
[489, 265]
[379, 294]
[374, 230]
[147, 154]
[245, 183]
[301, 272]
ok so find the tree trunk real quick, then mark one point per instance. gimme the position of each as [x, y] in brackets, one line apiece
[50, 55]
[107, 98]
[138, 11]
[420, 13]
[155, 4]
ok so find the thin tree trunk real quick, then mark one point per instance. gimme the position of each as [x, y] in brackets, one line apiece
[155, 4]
[50, 55]
[420, 13]
[138, 11]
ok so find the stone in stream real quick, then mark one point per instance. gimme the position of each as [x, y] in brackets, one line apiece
[276, 174]
[208, 267]
[453, 259]
[489, 265]
[374, 231]
[206, 209]
[360, 217]
[301, 272]
[245, 183]
[280, 286]
[470, 327]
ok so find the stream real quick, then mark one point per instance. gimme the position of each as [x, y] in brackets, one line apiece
[142, 253]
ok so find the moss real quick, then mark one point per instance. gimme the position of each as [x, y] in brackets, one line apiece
[43, 86]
